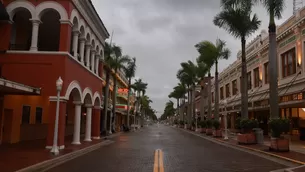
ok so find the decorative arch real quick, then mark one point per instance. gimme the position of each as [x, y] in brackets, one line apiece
[14, 6]
[87, 91]
[75, 15]
[97, 99]
[74, 85]
[40, 9]
[97, 48]
[88, 32]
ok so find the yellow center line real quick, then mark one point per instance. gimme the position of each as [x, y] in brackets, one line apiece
[158, 162]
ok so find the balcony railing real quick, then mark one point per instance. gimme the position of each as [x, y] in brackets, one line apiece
[19, 47]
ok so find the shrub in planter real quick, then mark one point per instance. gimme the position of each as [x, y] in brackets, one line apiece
[216, 132]
[209, 130]
[247, 136]
[203, 125]
[279, 126]
[181, 123]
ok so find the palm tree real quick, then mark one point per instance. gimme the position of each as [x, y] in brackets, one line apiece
[130, 71]
[169, 110]
[119, 62]
[275, 9]
[110, 52]
[178, 93]
[215, 53]
[188, 76]
[239, 23]
[140, 88]
[202, 70]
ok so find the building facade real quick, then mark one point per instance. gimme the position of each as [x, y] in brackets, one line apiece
[45, 40]
[291, 78]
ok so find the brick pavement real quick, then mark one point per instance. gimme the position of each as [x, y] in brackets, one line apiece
[134, 152]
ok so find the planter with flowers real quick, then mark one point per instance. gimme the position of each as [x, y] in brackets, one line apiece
[278, 142]
[209, 125]
[216, 125]
[203, 125]
[247, 136]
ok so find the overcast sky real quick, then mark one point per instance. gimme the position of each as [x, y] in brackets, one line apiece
[162, 33]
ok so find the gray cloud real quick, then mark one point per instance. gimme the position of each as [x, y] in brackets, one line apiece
[162, 34]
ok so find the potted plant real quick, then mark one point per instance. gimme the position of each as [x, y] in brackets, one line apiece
[216, 125]
[278, 127]
[209, 130]
[181, 124]
[203, 125]
[247, 136]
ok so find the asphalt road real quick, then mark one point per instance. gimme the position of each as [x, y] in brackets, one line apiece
[179, 151]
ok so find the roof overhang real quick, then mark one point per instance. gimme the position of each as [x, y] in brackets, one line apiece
[8, 87]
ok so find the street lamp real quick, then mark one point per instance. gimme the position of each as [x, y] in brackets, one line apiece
[54, 149]
[225, 121]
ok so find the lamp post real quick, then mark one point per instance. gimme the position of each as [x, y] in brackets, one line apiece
[225, 121]
[54, 149]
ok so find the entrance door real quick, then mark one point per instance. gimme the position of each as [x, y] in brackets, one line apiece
[7, 125]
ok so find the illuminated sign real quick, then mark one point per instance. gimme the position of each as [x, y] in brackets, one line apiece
[122, 92]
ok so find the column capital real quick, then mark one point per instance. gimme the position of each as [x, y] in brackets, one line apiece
[93, 51]
[35, 21]
[75, 32]
[88, 106]
[88, 45]
[82, 39]
[65, 22]
[77, 103]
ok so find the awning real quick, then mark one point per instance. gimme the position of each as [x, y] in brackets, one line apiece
[13, 88]
[3, 13]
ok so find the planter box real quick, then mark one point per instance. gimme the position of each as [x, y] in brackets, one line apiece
[198, 130]
[279, 144]
[203, 130]
[209, 131]
[247, 138]
[217, 133]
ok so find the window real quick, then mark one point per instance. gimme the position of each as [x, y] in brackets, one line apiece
[38, 115]
[234, 87]
[249, 80]
[212, 97]
[266, 66]
[289, 63]
[26, 113]
[227, 90]
[256, 77]
[240, 81]
[221, 93]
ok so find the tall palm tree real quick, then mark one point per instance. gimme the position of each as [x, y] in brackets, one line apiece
[178, 93]
[275, 9]
[188, 75]
[239, 23]
[118, 64]
[202, 70]
[130, 72]
[215, 52]
[140, 88]
[109, 54]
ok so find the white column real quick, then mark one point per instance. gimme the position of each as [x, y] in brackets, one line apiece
[82, 49]
[35, 29]
[92, 60]
[87, 58]
[77, 122]
[97, 60]
[88, 124]
[75, 43]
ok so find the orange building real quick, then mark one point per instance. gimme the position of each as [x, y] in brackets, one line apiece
[45, 40]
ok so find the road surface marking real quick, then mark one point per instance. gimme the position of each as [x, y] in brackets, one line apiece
[158, 163]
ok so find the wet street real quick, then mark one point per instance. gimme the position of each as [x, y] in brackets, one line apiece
[161, 148]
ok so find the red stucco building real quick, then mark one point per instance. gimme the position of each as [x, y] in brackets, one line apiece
[45, 40]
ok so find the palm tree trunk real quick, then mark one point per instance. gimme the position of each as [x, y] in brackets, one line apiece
[106, 101]
[193, 102]
[128, 102]
[244, 85]
[114, 102]
[216, 106]
[189, 110]
[202, 96]
[273, 85]
[209, 97]
[178, 108]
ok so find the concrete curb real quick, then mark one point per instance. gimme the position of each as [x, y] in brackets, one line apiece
[51, 163]
[247, 148]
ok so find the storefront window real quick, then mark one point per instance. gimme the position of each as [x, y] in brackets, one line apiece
[289, 63]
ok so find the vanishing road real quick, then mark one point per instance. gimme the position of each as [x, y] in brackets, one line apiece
[160, 148]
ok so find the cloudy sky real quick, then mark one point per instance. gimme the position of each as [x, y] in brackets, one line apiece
[162, 33]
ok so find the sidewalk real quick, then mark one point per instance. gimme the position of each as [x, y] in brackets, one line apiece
[15, 157]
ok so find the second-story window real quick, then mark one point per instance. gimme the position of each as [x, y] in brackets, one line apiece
[288, 63]
[234, 87]
[266, 67]
[227, 90]
[221, 93]
[249, 80]
[256, 77]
